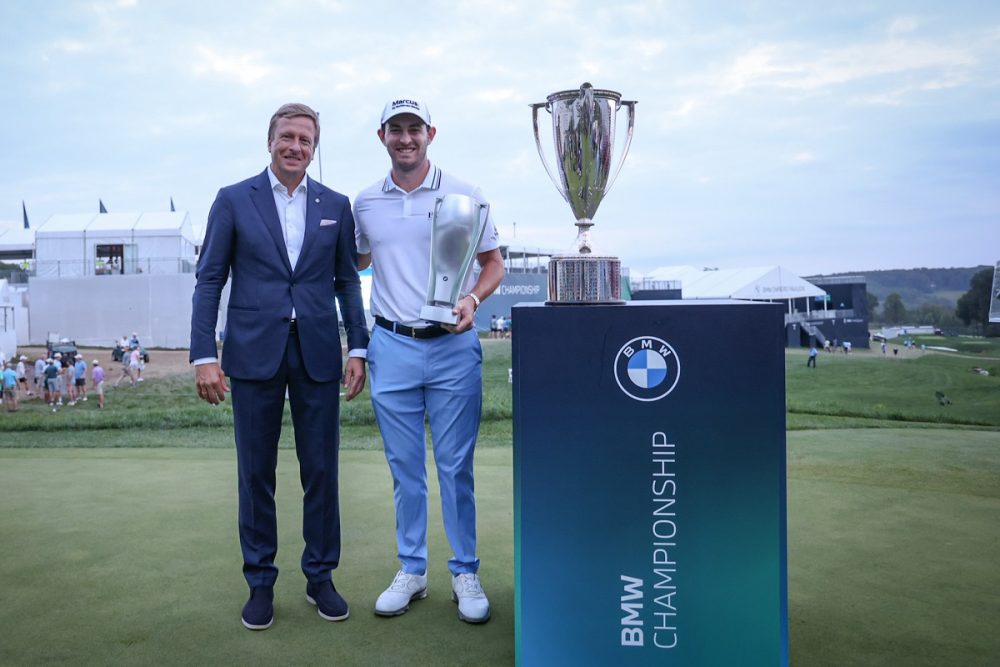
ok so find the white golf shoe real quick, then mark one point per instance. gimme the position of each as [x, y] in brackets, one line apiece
[467, 591]
[396, 599]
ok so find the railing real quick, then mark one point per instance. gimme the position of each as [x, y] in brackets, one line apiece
[648, 284]
[834, 280]
[818, 315]
[75, 268]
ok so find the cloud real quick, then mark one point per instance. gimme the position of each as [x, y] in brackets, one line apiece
[498, 95]
[798, 68]
[245, 68]
[903, 25]
[802, 157]
[70, 46]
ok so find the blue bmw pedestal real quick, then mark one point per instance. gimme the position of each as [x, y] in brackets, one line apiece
[649, 484]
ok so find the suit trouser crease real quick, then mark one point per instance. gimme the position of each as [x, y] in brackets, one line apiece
[442, 378]
[258, 407]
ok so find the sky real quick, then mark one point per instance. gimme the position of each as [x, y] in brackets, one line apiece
[821, 136]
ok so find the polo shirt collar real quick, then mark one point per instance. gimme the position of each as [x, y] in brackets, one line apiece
[432, 181]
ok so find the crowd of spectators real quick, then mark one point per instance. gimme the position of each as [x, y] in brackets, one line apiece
[62, 380]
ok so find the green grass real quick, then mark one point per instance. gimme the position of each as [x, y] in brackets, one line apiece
[867, 386]
[130, 556]
[964, 344]
[170, 403]
[861, 390]
[125, 556]
[129, 515]
[893, 545]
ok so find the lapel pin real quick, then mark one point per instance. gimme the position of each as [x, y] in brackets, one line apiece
[317, 200]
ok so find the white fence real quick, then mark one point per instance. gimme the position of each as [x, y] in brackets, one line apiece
[97, 310]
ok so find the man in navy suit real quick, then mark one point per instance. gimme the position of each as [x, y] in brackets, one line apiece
[288, 243]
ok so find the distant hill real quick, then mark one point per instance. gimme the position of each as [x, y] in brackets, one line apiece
[919, 286]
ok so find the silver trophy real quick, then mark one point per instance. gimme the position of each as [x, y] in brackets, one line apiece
[456, 232]
[583, 129]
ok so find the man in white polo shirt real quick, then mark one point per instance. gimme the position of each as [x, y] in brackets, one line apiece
[417, 368]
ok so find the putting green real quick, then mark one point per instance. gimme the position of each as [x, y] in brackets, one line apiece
[131, 556]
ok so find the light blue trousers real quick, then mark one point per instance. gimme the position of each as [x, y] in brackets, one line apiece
[441, 378]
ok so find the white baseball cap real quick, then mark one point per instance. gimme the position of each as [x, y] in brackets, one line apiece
[79, 356]
[24, 358]
[96, 362]
[401, 105]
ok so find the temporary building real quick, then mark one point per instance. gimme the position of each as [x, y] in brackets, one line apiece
[16, 242]
[768, 283]
[74, 245]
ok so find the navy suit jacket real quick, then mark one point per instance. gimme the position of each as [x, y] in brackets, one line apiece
[243, 236]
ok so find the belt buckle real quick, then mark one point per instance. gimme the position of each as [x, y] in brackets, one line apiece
[413, 333]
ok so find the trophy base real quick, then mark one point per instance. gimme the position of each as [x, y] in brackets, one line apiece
[439, 314]
[584, 279]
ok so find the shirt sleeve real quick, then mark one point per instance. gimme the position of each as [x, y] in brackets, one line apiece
[360, 238]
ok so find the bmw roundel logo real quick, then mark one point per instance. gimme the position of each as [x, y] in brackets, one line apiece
[647, 368]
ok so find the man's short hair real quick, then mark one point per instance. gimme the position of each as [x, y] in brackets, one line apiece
[290, 111]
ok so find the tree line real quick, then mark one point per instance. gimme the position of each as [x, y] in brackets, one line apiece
[970, 313]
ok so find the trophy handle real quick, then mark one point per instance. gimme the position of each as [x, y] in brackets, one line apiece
[538, 144]
[630, 105]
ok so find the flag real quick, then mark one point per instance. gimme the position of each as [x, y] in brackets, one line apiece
[103, 210]
[172, 209]
[24, 210]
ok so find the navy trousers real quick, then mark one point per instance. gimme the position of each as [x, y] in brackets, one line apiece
[257, 411]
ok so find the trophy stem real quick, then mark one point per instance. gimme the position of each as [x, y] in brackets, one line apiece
[583, 244]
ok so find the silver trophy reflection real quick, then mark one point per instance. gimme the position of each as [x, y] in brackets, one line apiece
[459, 223]
[583, 129]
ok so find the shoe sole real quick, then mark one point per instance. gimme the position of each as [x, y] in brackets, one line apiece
[419, 595]
[469, 619]
[311, 601]
[251, 626]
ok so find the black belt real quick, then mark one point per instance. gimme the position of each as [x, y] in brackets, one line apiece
[293, 327]
[426, 332]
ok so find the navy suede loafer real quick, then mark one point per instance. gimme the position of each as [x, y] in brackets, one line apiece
[328, 601]
[258, 612]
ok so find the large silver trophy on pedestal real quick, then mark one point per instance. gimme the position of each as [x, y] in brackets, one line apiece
[456, 232]
[583, 129]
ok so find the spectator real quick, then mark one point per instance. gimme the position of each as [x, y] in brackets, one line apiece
[97, 377]
[135, 363]
[10, 388]
[57, 361]
[22, 376]
[52, 383]
[39, 378]
[80, 377]
[126, 369]
[67, 376]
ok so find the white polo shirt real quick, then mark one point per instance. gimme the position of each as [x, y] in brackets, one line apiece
[395, 227]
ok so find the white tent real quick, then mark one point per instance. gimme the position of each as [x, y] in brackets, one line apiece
[765, 283]
[89, 244]
[15, 240]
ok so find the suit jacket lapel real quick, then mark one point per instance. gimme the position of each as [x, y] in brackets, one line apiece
[263, 199]
[314, 208]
